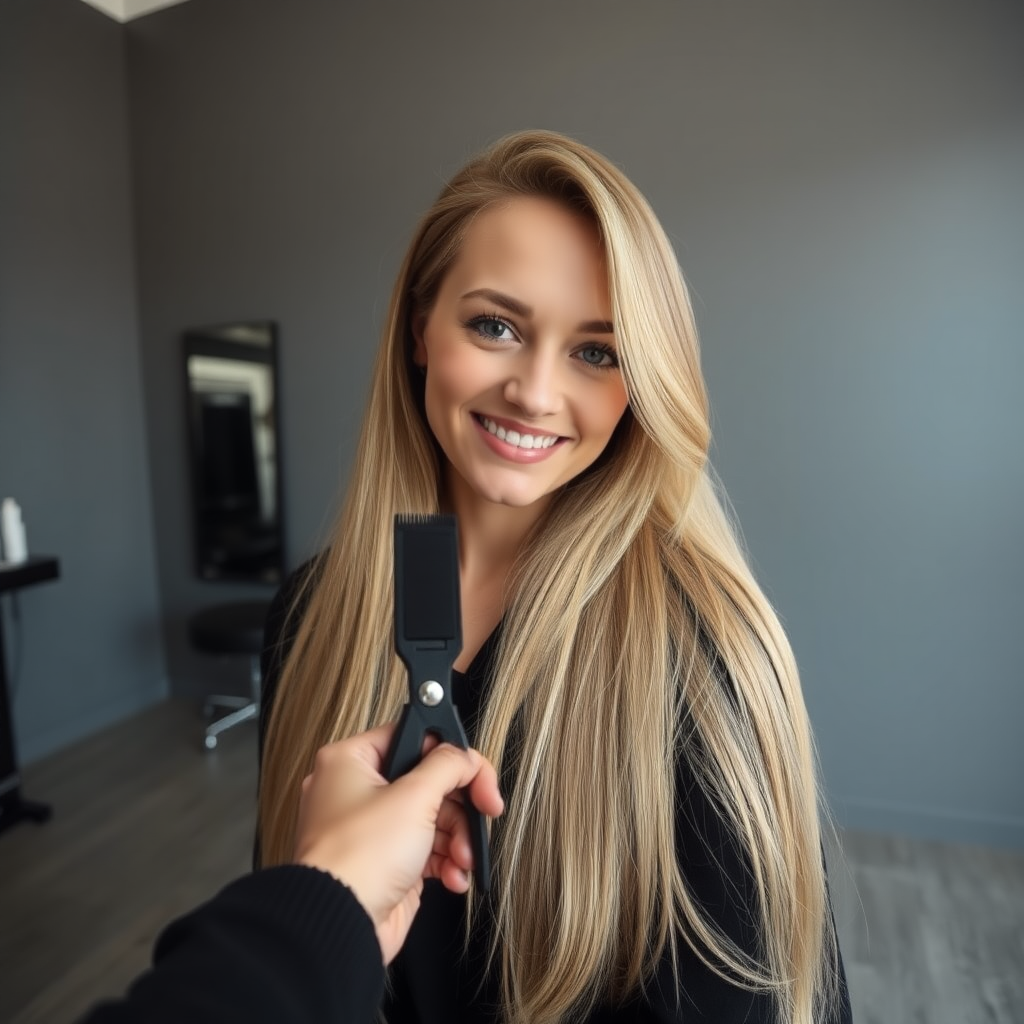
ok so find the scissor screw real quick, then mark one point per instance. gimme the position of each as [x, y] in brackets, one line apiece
[431, 693]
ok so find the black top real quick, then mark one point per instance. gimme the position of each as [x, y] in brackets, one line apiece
[284, 944]
[432, 982]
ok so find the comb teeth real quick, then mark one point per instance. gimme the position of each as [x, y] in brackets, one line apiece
[427, 570]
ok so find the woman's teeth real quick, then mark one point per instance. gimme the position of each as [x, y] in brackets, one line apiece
[513, 437]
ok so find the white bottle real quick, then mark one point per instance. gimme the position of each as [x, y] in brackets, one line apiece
[12, 532]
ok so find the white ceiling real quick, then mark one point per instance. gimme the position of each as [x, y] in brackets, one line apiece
[125, 10]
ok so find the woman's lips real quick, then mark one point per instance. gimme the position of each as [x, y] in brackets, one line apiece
[516, 445]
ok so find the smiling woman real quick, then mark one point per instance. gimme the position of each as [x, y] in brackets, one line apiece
[660, 858]
[523, 390]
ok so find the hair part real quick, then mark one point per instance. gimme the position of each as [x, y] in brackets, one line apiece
[657, 643]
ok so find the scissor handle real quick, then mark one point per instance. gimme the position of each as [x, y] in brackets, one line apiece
[406, 751]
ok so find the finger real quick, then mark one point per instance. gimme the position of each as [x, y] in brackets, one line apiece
[454, 878]
[452, 833]
[484, 792]
[452, 838]
[368, 748]
[373, 745]
[444, 770]
[448, 872]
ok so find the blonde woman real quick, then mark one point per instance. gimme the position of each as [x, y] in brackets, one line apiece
[660, 856]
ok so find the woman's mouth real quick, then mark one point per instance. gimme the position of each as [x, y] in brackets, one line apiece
[527, 442]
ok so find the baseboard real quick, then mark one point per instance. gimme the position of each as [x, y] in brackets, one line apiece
[929, 823]
[38, 745]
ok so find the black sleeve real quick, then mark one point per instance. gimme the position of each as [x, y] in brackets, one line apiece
[285, 944]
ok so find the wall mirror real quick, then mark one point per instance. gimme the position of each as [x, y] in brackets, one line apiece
[232, 409]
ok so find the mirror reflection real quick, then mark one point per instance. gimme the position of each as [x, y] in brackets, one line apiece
[231, 394]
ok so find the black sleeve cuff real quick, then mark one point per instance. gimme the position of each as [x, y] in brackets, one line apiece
[288, 943]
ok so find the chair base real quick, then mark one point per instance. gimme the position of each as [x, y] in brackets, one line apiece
[243, 708]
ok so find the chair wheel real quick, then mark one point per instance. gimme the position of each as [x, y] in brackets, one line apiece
[210, 742]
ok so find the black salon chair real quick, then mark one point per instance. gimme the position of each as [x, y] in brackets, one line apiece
[231, 629]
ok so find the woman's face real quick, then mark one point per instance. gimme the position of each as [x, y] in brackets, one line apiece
[523, 387]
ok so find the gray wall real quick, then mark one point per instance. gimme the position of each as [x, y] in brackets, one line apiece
[845, 193]
[843, 186]
[71, 421]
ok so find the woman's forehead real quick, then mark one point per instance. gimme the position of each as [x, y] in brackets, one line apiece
[537, 245]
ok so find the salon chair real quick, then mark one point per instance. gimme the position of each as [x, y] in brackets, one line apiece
[231, 629]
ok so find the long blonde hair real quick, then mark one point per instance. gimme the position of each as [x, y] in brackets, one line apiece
[633, 628]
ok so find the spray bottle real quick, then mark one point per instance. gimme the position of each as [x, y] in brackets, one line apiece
[12, 532]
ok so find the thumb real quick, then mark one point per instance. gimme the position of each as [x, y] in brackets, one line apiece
[446, 769]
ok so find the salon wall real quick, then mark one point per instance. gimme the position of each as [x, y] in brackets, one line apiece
[86, 649]
[843, 186]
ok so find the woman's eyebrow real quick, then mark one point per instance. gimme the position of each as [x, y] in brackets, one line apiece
[521, 309]
[500, 299]
[596, 327]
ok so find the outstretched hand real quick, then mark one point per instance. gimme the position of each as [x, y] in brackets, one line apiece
[383, 839]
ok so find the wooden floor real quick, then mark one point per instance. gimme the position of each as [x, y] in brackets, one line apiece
[146, 825]
[931, 933]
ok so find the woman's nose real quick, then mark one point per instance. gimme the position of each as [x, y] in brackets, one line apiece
[534, 384]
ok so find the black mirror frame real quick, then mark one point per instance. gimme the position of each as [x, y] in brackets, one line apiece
[214, 340]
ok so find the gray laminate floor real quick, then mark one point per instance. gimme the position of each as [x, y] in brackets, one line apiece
[146, 825]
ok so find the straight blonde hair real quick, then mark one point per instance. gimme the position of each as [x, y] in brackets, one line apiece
[633, 627]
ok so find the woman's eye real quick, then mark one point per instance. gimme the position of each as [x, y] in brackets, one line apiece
[599, 356]
[492, 328]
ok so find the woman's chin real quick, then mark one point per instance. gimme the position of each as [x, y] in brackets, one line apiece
[517, 500]
[510, 497]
